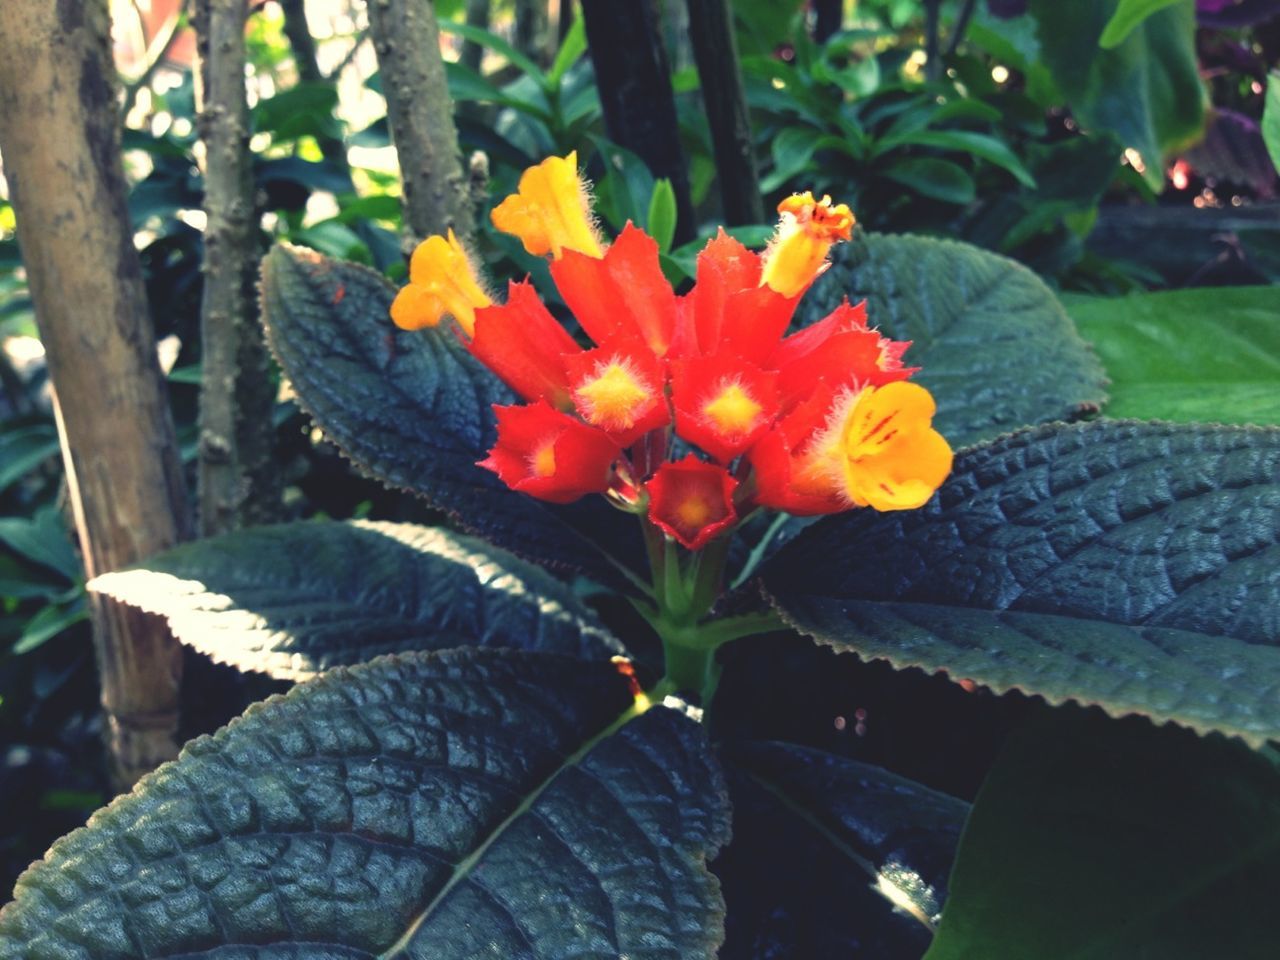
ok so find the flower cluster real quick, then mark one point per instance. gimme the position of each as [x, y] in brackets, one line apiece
[694, 409]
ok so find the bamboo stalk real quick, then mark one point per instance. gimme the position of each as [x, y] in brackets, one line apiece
[59, 133]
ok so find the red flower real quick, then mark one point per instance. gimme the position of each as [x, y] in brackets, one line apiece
[525, 346]
[623, 293]
[550, 455]
[692, 501]
[817, 422]
[723, 404]
[621, 389]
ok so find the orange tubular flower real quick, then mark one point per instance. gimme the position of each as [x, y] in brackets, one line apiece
[691, 501]
[818, 421]
[525, 346]
[550, 455]
[624, 293]
[551, 212]
[798, 252]
[877, 448]
[441, 281]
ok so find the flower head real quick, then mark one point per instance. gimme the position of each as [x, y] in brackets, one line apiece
[806, 232]
[692, 501]
[818, 421]
[551, 211]
[441, 281]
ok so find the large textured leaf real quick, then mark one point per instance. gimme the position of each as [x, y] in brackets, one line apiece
[1209, 355]
[1132, 565]
[459, 805]
[997, 348]
[413, 409]
[1098, 840]
[296, 599]
[831, 857]
[1146, 89]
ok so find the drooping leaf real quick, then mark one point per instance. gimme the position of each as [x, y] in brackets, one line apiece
[1131, 565]
[1210, 355]
[413, 409]
[1271, 118]
[1095, 839]
[1128, 15]
[931, 177]
[791, 895]
[444, 805]
[1146, 90]
[997, 348]
[832, 857]
[296, 599]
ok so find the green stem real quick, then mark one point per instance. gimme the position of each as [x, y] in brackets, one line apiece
[692, 669]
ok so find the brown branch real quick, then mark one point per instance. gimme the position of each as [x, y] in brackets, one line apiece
[420, 112]
[725, 100]
[237, 477]
[60, 135]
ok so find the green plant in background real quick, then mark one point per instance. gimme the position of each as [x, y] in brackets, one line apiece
[532, 772]
[395, 806]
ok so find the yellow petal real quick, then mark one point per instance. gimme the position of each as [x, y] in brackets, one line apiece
[441, 281]
[807, 229]
[893, 459]
[550, 212]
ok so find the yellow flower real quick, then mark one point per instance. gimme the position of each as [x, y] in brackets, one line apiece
[550, 212]
[441, 281]
[807, 229]
[890, 455]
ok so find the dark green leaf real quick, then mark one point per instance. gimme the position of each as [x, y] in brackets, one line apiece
[308, 174]
[1147, 90]
[930, 177]
[1131, 565]
[303, 110]
[296, 599]
[900, 836]
[997, 348]
[1271, 118]
[48, 623]
[1095, 840]
[965, 142]
[486, 39]
[450, 805]
[790, 893]
[413, 409]
[23, 449]
[1209, 355]
[791, 149]
[42, 539]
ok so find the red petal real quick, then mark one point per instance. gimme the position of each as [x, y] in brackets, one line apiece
[803, 342]
[848, 358]
[525, 346]
[725, 267]
[774, 464]
[692, 501]
[633, 403]
[722, 404]
[754, 322]
[550, 455]
[624, 292]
